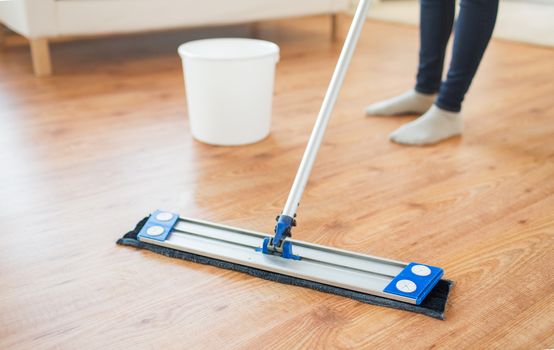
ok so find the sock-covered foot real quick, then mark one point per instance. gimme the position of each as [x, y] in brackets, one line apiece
[432, 127]
[411, 102]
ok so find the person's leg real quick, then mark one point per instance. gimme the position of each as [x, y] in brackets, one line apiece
[436, 19]
[471, 36]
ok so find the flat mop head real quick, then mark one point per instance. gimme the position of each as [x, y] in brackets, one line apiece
[410, 287]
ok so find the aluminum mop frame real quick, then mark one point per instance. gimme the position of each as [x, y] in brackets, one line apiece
[279, 254]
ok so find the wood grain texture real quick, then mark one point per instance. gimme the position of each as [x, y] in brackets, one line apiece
[88, 152]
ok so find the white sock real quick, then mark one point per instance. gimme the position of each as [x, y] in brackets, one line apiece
[411, 102]
[434, 126]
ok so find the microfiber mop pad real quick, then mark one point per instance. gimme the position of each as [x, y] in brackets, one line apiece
[434, 304]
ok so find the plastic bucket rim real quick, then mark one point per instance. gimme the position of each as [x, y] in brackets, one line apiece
[182, 50]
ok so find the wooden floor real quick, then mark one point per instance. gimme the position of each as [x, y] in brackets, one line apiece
[87, 153]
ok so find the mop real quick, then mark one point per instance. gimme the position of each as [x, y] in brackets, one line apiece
[410, 286]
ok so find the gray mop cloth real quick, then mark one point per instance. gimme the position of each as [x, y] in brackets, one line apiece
[433, 305]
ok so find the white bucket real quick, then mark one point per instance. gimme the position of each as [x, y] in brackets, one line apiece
[229, 87]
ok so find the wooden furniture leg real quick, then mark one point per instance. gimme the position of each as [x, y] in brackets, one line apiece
[334, 26]
[40, 54]
[3, 35]
[255, 30]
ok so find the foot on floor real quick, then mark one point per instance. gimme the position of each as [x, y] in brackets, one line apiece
[411, 102]
[432, 127]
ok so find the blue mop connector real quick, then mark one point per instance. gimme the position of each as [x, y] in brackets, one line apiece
[159, 226]
[282, 229]
[415, 281]
[278, 244]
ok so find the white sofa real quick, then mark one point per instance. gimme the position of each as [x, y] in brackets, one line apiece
[42, 20]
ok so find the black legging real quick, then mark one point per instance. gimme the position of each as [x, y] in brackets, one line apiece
[471, 35]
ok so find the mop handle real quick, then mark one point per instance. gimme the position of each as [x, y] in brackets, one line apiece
[333, 90]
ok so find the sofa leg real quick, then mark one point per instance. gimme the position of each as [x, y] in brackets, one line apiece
[3, 35]
[40, 54]
[334, 26]
[255, 30]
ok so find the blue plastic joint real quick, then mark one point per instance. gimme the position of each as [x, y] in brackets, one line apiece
[283, 229]
[286, 252]
[415, 281]
[158, 226]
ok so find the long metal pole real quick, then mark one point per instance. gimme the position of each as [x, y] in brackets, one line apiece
[333, 90]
